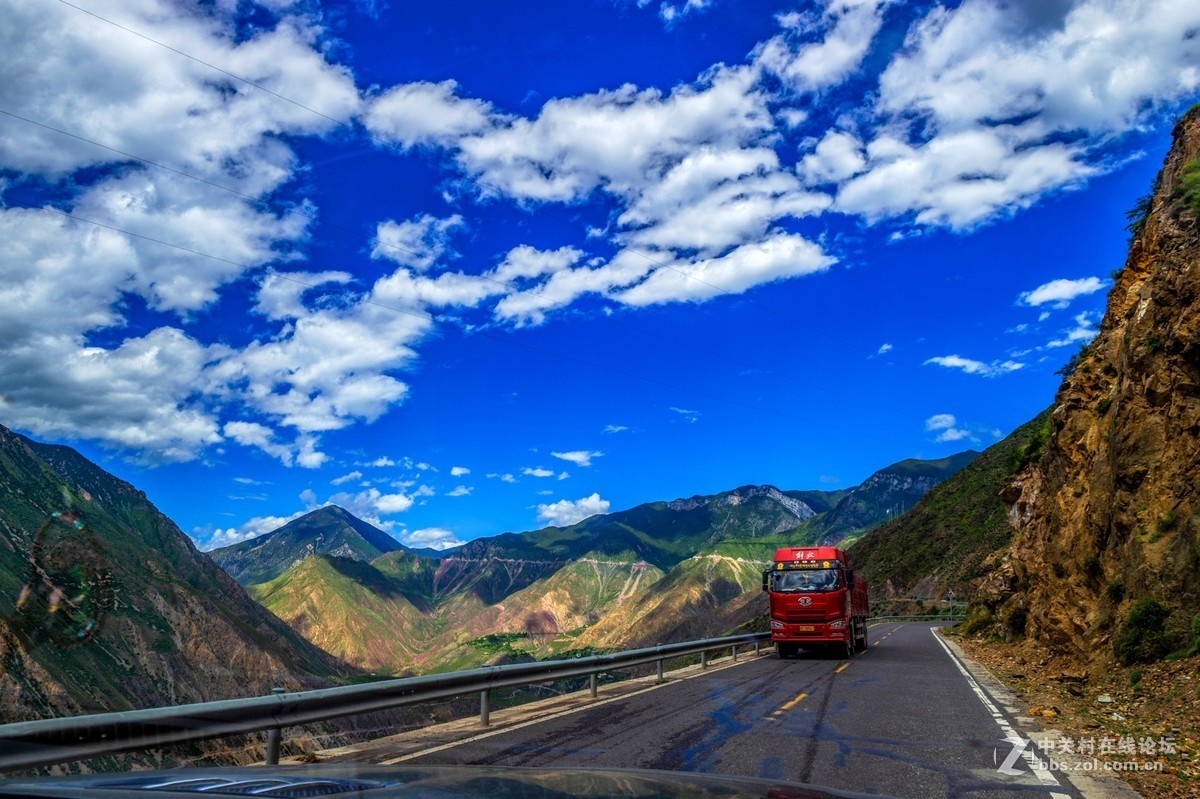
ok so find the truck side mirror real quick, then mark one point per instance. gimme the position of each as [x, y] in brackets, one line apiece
[766, 578]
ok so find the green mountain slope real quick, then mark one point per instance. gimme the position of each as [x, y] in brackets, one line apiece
[885, 495]
[326, 531]
[942, 542]
[350, 609]
[141, 618]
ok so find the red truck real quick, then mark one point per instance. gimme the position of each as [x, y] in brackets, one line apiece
[816, 601]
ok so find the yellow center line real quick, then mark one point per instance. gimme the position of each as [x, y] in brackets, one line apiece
[793, 703]
[842, 668]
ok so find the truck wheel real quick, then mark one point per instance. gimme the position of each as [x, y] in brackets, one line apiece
[860, 640]
[785, 650]
[850, 646]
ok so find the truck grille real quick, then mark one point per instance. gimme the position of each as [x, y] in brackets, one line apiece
[805, 615]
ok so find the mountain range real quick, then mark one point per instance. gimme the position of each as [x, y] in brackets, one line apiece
[658, 571]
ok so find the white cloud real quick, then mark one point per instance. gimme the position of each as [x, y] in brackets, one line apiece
[843, 32]
[260, 525]
[940, 421]
[614, 428]
[1085, 330]
[346, 478]
[537, 472]
[381, 461]
[422, 491]
[948, 429]
[459, 471]
[460, 491]
[418, 114]
[565, 512]
[991, 105]
[580, 457]
[507, 478]
[420, 242]
[884, 349]
[838, 156]
[430, 538]
[689, 415]
[1060, 292]
[972, 367]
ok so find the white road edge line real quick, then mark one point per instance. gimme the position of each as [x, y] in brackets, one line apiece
[1011, 735]
[561, 713]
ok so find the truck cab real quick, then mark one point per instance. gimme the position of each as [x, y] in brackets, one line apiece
[817, 602]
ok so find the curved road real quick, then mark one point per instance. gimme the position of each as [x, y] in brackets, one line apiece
[903, 720]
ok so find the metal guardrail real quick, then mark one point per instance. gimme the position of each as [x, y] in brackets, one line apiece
[30, 744]
[930, 617]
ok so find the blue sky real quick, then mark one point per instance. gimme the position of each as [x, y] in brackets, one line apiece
[465, 268]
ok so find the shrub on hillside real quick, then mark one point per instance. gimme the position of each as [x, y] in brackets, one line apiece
[1143, 637]
[979, 618]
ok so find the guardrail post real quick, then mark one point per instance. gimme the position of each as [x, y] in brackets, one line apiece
[704, 659]
[733, 649]
[274, 737]
[659, 664]
[485, 708]
[592, 683]
[757, 648]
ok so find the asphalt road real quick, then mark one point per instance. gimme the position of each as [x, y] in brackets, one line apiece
[901, 720]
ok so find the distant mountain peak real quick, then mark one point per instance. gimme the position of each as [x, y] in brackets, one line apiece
[328, 530]
[742, 495]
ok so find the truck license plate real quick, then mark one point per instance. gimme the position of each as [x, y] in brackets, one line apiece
[806, 628]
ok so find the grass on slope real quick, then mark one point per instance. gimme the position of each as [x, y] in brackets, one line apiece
[956, 526]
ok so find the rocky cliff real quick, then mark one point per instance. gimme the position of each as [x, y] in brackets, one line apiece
[1108, 514]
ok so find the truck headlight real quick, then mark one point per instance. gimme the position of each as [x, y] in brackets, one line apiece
[840, 623]
[776, 625]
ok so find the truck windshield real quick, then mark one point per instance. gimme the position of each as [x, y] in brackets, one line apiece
[805, 582]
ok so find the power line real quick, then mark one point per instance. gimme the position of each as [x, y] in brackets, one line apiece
[791, 321]
[484, 185]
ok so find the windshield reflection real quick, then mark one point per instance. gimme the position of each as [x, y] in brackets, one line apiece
[806, 581]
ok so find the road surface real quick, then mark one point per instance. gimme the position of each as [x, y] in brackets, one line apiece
[903, 720]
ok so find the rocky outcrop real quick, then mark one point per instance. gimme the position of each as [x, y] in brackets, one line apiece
[1109, 513]
[738, 496]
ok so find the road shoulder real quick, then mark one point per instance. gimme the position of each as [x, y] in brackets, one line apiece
[1076, 772]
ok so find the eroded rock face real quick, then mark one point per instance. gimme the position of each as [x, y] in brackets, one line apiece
[1109, 513]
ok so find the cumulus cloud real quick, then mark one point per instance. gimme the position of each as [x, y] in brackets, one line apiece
[816, 52]
[566, 512]
[420, 243]
[347, 478]
[991, 105]
[884, 349]
[210, 539]
[431, 538]
[537, 472]
[580, 457]
[459, 471]
[948, 429]
[1060, 292]
[460, 491]
[973, 367]
[424, 113]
